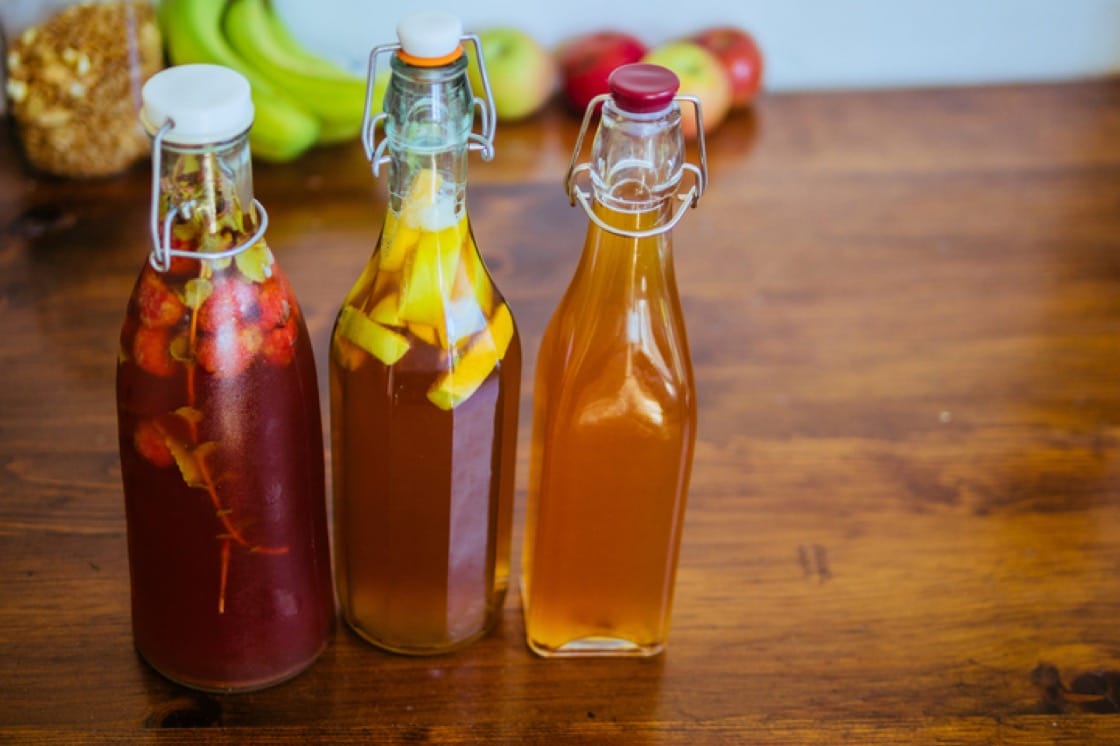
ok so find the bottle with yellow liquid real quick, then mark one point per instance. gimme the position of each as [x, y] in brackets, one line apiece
[615, 410]
[424, 374]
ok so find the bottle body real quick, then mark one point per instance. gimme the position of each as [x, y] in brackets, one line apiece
[221, 446]
[425, 376]
[423, 490]
[613, 431]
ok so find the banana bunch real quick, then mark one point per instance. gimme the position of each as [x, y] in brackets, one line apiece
[300, 99]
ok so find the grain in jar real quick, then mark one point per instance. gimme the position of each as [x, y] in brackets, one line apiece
[74, 73]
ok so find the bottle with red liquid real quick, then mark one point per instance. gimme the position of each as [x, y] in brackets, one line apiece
[614, 418]
[425, 372]
[218, 410]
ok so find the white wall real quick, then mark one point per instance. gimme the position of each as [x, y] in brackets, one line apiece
[808, 43]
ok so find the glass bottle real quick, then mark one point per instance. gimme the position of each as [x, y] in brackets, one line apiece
[74, 69]
[425, 372]
[221, 438]
[615, 409]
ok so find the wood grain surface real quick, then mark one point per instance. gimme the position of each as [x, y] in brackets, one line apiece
[904, 521]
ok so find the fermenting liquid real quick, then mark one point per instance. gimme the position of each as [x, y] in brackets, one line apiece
[221, 455]
[425, 369]
[613, 430]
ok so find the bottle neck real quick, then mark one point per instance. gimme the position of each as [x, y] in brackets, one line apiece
[430, 112]
[622, 221]
[637, 158]
[636, 167]
[626, 269]
[210, 186]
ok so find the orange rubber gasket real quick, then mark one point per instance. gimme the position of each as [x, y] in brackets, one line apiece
[430, 61]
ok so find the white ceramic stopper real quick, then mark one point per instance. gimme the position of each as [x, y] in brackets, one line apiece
[205, 103]
[429, 35]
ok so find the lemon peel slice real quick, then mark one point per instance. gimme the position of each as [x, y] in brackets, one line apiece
[474, 366]
[387, 311]
[397, 240]
[427, 334]
[383, 343]
[422, 206]
[348, 354]
[360, 292]
[473, 280]
[429, 279]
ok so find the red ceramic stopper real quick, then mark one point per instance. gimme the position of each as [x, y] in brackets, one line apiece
[641, 87]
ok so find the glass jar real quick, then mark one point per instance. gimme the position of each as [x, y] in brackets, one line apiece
[220, 432]
[74, 74]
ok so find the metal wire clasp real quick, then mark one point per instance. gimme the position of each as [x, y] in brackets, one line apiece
[482, 142]
[689, 199]
[162, 253]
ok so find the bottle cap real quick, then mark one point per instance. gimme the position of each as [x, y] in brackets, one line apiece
[430, 39]
[641, 88]
[205, 104]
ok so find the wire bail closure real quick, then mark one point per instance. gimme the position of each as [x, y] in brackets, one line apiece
[482, 142]
[687, 200]
[162, 253]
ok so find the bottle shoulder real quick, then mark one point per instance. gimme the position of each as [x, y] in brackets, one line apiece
[425, 303]
[617, 356]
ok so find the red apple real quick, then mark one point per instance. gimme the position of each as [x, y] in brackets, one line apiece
[740, 56]
[587, 61]
[702, 76]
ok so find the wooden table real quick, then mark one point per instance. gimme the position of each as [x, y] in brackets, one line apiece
[904, 522]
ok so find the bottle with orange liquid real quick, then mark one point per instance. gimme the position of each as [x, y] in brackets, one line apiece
[425, 372]
[615, 410]
[221, 440]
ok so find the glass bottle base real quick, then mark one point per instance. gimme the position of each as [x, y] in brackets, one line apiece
[596, 647]
[236, 687]
[415, 650]
[438, 648]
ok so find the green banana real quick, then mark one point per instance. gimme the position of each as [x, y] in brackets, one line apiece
[336, 97]
[282, 128]
[283, 37]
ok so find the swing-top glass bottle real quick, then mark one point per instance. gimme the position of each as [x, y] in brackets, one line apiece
[221, 439]
[614, 416]
[425, 372]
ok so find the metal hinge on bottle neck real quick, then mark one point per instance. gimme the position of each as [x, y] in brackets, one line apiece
[691, 198]
[482, 142]
[162, 253]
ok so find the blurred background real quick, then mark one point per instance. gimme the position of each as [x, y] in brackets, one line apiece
[809, 44]
[70, 64]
